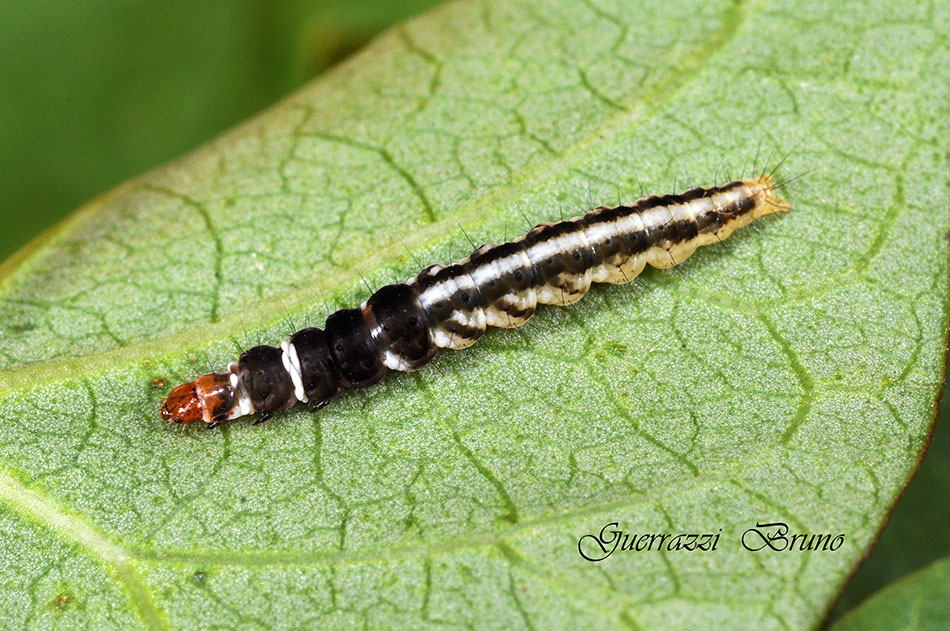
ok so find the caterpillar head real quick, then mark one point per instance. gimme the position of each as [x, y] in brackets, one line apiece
[209, 398]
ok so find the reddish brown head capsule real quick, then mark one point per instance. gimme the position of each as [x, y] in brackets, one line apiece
[209, 398]
[182, 405]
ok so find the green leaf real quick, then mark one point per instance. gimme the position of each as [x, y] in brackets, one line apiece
[790, 376]
[917, 602]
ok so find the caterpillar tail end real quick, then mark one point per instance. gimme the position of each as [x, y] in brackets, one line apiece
[767, 201]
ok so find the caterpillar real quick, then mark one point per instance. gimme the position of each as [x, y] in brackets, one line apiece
[402, 326]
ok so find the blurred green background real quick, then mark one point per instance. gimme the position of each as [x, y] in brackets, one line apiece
[95, 93]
